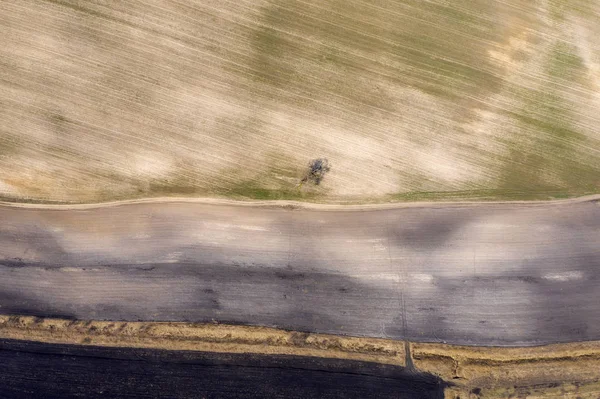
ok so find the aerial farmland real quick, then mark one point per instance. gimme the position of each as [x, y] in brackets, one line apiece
[406, 100]
[300, 199]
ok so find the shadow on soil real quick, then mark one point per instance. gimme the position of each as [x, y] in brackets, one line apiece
[32, 370]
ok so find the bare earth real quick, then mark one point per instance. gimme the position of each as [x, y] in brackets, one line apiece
[407, 99]
[566, 371]
[496, 274]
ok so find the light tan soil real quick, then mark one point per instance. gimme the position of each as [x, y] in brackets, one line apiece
[410, 100]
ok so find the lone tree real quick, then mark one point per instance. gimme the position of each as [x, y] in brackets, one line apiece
[316, 171]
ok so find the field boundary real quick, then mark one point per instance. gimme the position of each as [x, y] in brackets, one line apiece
[285, 204]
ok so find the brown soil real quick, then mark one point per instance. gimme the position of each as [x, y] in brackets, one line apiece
[563, 370]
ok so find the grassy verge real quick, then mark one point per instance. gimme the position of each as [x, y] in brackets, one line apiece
[491, 195]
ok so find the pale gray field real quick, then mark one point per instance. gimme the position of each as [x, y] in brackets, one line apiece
[477, 275]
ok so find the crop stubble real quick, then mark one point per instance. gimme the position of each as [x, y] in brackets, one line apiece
[408, 100]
